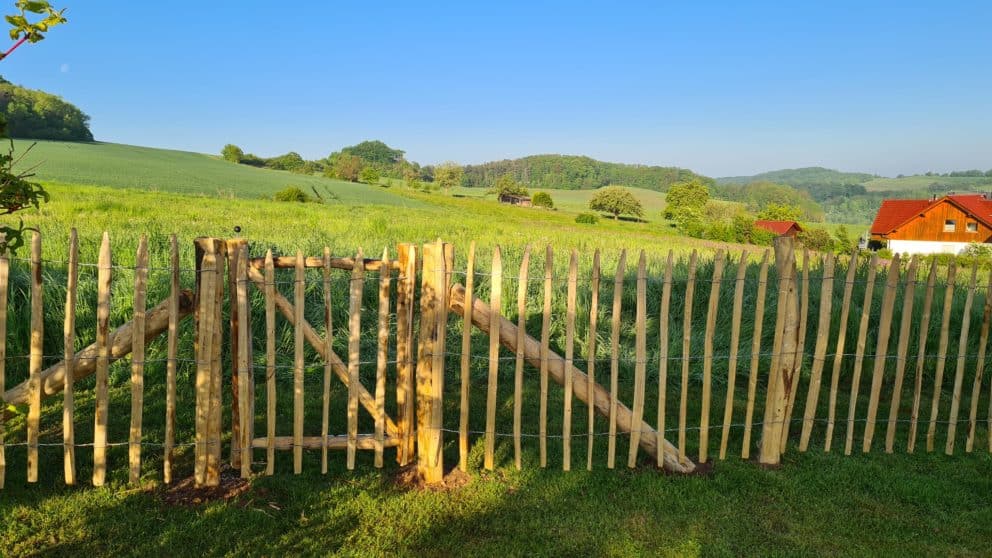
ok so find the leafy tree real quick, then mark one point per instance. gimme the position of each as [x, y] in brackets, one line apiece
[232, 153]
[616, 201]
[689, 221]
[375, 153]
[34, 114]
[844, 242]
[448, 175]
[691, 194]
[346, 167]
[816, 239]
[291, 194]
[369, 175]
[506, 185]
[543, 199]
[780, 212]
[289, 162]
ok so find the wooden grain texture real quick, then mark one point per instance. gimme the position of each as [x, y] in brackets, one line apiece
[752, 379]
[102, 363]
[518, 372]
[845, 312]
[172, 354]
[432, 260]
[735, 341]
[819, 351]
[215, 415]
[381, 358]
[317, 262]
[859, 354]
[640, 356]
[325, 400]
[945, 332]
[976, 389]
[611, 450]
[496, 303]
[232, 250]
[881, 351]
[482, 316]
[36, 353]
[783, 353]
[443, 271]
[138, 360]
[905, 331]
[962, 357]
[405, 377]
[711, 315]
[466, 363]
[357, 286]
[68, 352]
[591, 357]
[690, 291]
[299, 289]
[4, 289]
[243, 356]
[270, 364]
[566, 429]
[664, 319]
[545, 340]
[795, 375]
[921, 356]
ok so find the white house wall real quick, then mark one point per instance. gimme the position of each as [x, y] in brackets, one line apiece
[926, 247]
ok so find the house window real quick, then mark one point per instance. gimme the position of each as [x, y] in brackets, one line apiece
[972, 227]
[950, 225]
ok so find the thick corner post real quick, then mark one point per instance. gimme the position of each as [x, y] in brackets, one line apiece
[437, 261]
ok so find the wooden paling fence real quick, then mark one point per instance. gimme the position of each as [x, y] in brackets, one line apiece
[664, 352]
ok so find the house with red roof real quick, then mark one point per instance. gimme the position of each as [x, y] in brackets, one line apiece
[780, 228]
[932, 226]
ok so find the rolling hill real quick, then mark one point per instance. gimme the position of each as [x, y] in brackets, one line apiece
[799, 177]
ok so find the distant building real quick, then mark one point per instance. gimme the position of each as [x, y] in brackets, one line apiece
[933, 226]
[780, 228]
[513, 199]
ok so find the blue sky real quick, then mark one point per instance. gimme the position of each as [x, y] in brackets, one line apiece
[723, 88]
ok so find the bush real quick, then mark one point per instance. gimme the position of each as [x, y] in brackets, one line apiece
[762, 237]
[369, 175]
[722, 232]
[586, 219]
[291, 194]
[543, 199]
[816, 239]
[884, 253]
[232, 153]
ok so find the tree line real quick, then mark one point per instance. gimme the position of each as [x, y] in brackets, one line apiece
[34, 114]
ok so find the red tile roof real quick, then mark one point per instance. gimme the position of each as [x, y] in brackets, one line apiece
[894, 213]
[777, 227]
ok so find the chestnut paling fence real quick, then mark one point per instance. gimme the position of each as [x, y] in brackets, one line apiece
[663, 360]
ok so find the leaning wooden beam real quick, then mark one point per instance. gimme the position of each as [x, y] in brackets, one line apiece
[119, 342]
[881, 351]
[481, 314]
[819, 351]
[287, 309]
[364, 442]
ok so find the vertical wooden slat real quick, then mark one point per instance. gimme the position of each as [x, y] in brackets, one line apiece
[905, 325]
[881, 351]
[496, 303]
[325, 407]
[819, 351]
[385, 270]
[711, 314]
[566, 438]
[945, 332]
[615, 357]
[783, 353]
[663, 321]
[859, 354]
[976, 390]
[245, 394]
[518, 373]
[735, 339]
[845, 311]
[921, 348]
[172, 353]
[405, 377]
[68, 357]
[690, 291]
[466, 364]
[299, 287]
[798, 358]
[35, 357]
[138, 360]
[545, 340]
[270, 364]
[4, 281]
[354, 354]
[232, 250]
[205, 262]
[215, 416]
[102, 363]
[640, 357]
[591, 358]
[952, 422]
[752, 380]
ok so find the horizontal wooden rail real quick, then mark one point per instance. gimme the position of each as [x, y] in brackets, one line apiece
[365, 442]
[348, 264]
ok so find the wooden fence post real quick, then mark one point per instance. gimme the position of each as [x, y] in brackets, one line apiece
[430, 364]
[780, 377]
[232, 248]
[209, 290]
[405, 384]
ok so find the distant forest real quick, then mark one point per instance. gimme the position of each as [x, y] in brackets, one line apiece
[33, 114]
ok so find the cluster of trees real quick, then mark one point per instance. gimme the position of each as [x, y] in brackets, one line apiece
[349, 162]
[33, 114]
[571, 172]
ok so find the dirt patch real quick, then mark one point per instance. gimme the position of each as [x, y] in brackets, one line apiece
[408, 479]
[186, 493]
